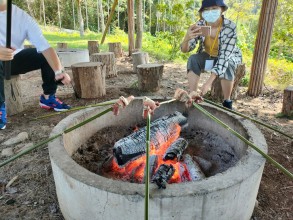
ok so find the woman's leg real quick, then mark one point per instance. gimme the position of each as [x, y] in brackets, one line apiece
[227, 86]
[193, 80]
[195, 65]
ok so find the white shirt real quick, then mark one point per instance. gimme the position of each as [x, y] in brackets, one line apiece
[24, 27]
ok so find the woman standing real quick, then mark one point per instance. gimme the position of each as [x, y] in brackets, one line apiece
[217, 51]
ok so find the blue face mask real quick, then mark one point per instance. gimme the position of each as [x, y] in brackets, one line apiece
[211, 16]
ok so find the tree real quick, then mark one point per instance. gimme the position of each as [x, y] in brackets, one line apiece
[139, 24]
[59, 14]
[80, 18]
[101, 12]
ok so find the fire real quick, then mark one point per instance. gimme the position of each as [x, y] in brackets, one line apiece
[134, 171]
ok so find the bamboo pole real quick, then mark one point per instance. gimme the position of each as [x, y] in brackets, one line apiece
[267, 157]
[38, 145]
[249, 118]
[147, 181]
[115, 3]
[262, 46]
[130, 9]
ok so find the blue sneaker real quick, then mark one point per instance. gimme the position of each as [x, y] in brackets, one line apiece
[3, 117]
[53, 103]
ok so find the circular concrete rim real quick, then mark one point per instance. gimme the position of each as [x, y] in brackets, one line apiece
[245, 167]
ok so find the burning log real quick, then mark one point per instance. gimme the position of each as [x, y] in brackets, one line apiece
[163, 175]
[193, 168]
[134, 145]
[176, 149]
[153, 165]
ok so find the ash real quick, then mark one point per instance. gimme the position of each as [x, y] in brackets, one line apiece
[209, 150]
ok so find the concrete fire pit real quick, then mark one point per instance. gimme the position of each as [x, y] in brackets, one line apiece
[85, 195]
[72, 56]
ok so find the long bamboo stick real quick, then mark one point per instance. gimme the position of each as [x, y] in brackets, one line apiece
[267, 157]
[249, 118]
[115, 3]
[147, 181]
[38, 145]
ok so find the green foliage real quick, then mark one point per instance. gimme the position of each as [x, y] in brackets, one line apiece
[279, 73]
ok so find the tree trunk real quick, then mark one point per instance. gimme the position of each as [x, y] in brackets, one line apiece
[139, 58]
[13, 97]
[116, 48]
[288, 102]
[59, 14]
[80, 18]
[130, 11]
[31, 11]
[73, 15]
[89, 79]
[44, 12]
[216, 90]
[149, 77]
[102, 20]
[93, 47]
[98, 16]
[62, 45]
[87, 16]
[139, 24]
[262, 46]
[108, 59]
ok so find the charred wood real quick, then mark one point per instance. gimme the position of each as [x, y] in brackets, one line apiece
[193, 168]
[176, 149]
[133, 146]
[163, 175]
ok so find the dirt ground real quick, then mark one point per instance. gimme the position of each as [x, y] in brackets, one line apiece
[32, 195]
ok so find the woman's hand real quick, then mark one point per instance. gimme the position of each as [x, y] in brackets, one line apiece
[207, 86]
[192, 32]
[6, 54]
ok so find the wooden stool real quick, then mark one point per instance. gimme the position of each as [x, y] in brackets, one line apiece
[216, 90]
[12, 92]
[116, 48]
[26, 46]
[62, 45]
[93, 47]
[149, 77]
[89, 79]
[139, 58]
[288, 102]
[107, 58]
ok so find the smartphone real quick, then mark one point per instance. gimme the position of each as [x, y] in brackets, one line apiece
[205, 30]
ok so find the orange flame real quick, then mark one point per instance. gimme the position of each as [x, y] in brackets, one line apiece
[134, 170]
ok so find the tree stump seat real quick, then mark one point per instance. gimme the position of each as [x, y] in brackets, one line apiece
[89, 79]
[216, 90]
[149, 77]
[116, 48]
[62, 45]
[108, 59]
[287, 109]
[13, 99]
[139, 58]
[93, 47]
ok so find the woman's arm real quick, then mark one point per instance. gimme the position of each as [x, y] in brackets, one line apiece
[192, 33]
[226, 51]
